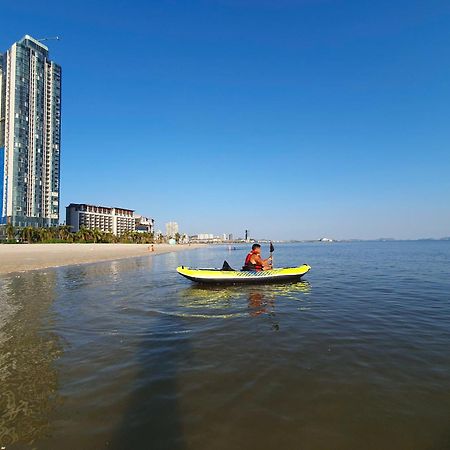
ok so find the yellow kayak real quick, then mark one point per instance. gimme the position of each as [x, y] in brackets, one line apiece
[234, 276]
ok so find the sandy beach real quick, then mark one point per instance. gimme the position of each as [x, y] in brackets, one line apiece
[22, 257]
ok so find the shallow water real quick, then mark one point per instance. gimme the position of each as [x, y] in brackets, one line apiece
[128, 354]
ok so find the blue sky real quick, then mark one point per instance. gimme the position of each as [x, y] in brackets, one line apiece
[294, 119]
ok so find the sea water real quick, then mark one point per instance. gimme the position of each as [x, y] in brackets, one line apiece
[130, 355]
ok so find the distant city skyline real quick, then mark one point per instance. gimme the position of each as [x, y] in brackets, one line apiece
[296, 120]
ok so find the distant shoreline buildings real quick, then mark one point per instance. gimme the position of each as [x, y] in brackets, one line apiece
[210, 238]
[30, 135]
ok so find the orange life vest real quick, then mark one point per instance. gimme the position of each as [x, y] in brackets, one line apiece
[250, 265]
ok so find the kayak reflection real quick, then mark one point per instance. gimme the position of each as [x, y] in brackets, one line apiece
[258, 299]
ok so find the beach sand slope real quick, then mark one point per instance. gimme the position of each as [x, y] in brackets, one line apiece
[22, 257]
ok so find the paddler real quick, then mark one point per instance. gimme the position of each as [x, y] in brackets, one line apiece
[253, 261]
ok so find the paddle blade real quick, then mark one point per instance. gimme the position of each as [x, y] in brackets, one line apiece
[272, 248]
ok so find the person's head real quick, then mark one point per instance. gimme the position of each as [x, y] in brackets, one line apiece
[256, 248]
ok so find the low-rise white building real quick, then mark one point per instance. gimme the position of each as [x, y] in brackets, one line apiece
[144, 224]
[107, 219]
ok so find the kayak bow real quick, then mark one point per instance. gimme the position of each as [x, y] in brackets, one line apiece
[234, 276]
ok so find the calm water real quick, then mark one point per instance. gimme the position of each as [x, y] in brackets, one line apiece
[129, 355]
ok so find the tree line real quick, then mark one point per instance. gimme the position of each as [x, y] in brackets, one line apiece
[63, 234]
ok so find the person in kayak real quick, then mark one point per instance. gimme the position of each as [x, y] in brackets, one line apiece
[253, 261]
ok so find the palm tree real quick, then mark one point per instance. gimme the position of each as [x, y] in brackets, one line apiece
[22, 234]
[96, 235]
[83, 234]
[10, 231]
[87, 234]
[125, 237]
[146, 238]
[27, 234]
[109, 238]
[53, 233]
[45, 234]
[64, 233]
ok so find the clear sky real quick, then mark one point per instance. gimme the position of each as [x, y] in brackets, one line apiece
[294, 119]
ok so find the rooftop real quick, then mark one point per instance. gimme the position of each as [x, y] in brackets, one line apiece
[35, 41]
[99, 206]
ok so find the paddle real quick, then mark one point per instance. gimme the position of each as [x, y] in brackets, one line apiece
[271, 249]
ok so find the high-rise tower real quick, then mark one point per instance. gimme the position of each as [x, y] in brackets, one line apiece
[30, 134]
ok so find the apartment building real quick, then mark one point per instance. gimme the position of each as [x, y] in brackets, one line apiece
[30, 135]
[171, 229]
[107, 219]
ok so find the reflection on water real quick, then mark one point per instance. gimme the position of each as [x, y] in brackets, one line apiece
[257, 304]
[28, 378]
[76, 277]
[221, 302]
[213, 296]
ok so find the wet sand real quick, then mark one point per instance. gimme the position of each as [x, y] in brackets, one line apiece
[22, 257]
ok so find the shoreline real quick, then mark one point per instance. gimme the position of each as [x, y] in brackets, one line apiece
[17, 258]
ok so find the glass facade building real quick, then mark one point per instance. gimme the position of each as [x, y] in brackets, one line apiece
[30, 134]
[2, 141]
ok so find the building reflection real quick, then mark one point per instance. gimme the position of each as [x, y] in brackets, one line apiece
[77, 276]
[28, 351]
